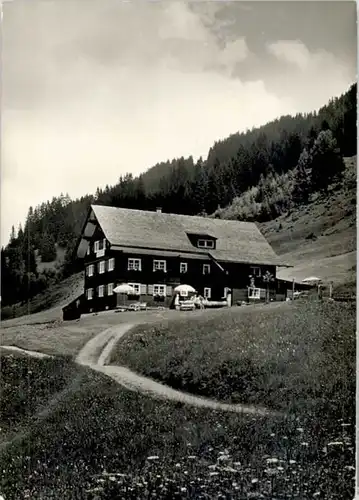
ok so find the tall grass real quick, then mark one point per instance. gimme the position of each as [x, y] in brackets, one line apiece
[91, 439]
[292, 357]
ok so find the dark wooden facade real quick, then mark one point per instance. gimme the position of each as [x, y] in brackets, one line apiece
[221, 276]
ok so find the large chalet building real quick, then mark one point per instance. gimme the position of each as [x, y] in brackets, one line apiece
[155, 251]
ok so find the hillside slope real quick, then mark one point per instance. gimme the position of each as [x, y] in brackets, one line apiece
[46, 306]
[319, 238]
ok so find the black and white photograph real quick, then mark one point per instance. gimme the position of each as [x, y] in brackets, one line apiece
[178, 250]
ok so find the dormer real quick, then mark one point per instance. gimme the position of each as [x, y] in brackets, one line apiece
[204, 241]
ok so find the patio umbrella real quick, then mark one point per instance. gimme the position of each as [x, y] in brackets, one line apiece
[185, 289]
[124, 289]
[312, 280]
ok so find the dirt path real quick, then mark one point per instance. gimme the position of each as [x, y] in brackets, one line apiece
[96, 353]
[34, 354]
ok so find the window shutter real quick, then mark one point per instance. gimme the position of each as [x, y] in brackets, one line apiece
[168, 290]
[262, 293]
[143, 289]
[150, 289]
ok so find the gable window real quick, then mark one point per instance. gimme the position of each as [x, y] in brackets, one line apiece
[110, 289]
[183, 267]
[89, 293]
[159, 290]
[159, 265]
[101, 267]
[205, 243]
[134, 265]
[136, 287]
[254, 293]
[207, 293]
[99, 245]
[111, 264]
[206, 268]
[90, 270]
[256, 271]
[101, 290]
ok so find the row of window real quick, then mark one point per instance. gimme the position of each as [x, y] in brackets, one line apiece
[161, 265]
[139, 289]
[101, 290]
[101, 245]
[161, 290]
[102, 266]
[136, 265]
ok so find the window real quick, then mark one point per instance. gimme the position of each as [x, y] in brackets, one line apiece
[159, 290]
[90, 270]
[159, 265]
[205, 244]
[207, 293]
[183, 267]
[111, 264]
[254, 293]
[101, 290]
[134, 265]
[206, 268]
[136, 287]
[99, 247]
[110, 289]
[256, 271]
[89, 294]
[101, 267]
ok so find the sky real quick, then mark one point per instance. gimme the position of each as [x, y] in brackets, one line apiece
[93, 89]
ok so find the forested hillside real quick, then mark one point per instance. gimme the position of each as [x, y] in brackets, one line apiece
[255, 175]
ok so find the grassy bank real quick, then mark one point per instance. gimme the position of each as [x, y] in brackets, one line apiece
[87, 438]
[64, 339]
[292, 357]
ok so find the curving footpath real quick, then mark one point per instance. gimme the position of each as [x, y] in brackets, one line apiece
[96, 353]
[33, 354]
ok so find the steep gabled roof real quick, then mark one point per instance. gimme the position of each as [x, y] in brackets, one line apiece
[236, 241]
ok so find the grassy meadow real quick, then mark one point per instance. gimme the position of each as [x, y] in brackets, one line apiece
[68, 432]
[71, 433]
[295, 357]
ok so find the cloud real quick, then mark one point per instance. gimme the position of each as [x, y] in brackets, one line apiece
[295, 53]
[94, 89]
[311, 77]
[292, 52]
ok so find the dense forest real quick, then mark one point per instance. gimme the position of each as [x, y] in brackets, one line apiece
[261, 172]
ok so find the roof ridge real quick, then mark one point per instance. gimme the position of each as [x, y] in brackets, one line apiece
[152, 212]
[237, 241]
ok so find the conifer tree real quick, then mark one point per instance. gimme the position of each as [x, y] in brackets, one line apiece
[326, 161]
[302, 184]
